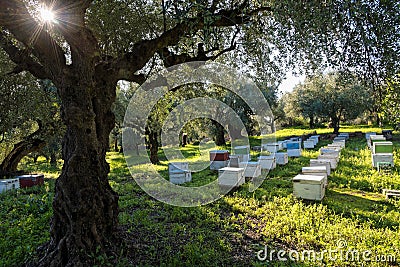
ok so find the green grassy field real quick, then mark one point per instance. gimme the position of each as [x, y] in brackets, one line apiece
[354, 215]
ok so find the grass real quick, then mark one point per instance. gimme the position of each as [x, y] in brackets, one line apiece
[230, 231]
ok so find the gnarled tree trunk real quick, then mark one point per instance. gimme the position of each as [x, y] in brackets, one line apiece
[219, 134]
[85, 206]
[20, 150]
[153, 146]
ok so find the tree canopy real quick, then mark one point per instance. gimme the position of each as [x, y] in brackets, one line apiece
[91, 45]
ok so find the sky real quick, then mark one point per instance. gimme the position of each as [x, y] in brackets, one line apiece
[290, 82]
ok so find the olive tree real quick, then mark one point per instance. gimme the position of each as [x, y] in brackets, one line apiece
[91, 45]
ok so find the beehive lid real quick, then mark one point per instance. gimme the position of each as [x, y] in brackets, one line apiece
[30, 176]
[219, 151]
[7, 181]
[314, 169]
[232, 169]
[252, 163]
[266, 157]
[377, 137]
[308, 179]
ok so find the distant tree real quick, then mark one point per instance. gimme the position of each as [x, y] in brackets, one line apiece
[30, 116]
[336, 96]
[391, 102]
[95, 44]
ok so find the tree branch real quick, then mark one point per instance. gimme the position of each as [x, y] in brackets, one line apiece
[144, 50]
[31, 34]
[23, 61]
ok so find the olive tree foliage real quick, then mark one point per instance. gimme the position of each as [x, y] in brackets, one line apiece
[335, 96]
[391, 102]
[29, 116]
[95, 44]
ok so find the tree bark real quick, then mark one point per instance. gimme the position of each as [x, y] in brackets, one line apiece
[312, 122]
[20, 150]
[335, 125]
[153, 145]
[219, 134]
[116, 143]
[85, 206]
[53, 159]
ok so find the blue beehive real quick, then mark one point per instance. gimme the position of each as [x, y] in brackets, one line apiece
[293, 145]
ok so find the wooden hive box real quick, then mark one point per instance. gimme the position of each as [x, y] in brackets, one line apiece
[8, 184]
[375, 138]
[271, 147]
[309, 187]
[231, 177]
[345, 135]
[342, 144]
[267, 162]
[382, 147]
[30, 180]
[282, 158]
[316, 170]
[241, 150]
[294, 152]
[368, 135]
[179, 172]
[384, 158]
[216, 165]
[252, 169]
[337, 146]
[309, 144]
[321, 162]
[332, 159]
[293, 145]
[331, 150]
[219, 155]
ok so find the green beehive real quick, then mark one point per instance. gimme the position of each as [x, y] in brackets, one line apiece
[383, 147]
[241, 150]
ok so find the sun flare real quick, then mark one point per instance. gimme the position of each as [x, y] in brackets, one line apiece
[47, 15]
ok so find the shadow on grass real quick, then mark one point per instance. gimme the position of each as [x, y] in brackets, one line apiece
[363, 206]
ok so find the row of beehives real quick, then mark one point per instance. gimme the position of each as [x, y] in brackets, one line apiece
[311, 184]
[233, 169]
[381, 150]
[21, 181]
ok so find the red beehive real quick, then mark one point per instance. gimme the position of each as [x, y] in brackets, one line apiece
[30, 180]
[219, 155]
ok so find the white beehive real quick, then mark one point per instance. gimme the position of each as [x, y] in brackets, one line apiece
[316, 170]
[345, 135]
[267, 162]
[280, 144]
[281, 158]
[382, 157]
[321, 162]
[309, 187]
[294, 152]
[367, 135]
[8, 184]
[342, 144]
[375, 138]
[284, 144]
[216, 165]
[179, 172]
[252, 169]
[309, 144]
[271, 147]
[231, 177]
[337, 146]
[329, 150]
[332, 159]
